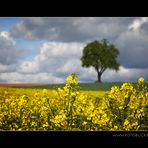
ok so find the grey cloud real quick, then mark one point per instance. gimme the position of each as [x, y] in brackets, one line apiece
[70, 29]
[144, 28]
[57, 59]
[8, 68]
[9, 52]
[8, 55]
[133, 49]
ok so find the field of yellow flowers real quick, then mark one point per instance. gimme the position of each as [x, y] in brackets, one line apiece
[69, 108]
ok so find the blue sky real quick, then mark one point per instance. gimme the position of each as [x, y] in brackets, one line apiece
[48, 49]
[7, 23]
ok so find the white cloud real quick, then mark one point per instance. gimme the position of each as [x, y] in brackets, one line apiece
[53, 56]
[29, 67]
[15, 77]
[61, 59]
[137, 23]
[125, 74]
[6, 38]
[71, 65]
[61, 49]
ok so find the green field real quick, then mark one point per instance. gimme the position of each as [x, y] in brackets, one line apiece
[83, 86]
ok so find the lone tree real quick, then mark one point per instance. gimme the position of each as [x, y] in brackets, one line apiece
[100, 55]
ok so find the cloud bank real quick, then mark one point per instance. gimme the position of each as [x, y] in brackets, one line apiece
[63, 41]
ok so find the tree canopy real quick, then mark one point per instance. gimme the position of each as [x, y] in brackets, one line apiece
[100, 55]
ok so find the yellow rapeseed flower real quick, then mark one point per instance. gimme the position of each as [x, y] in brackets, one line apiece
[141, 80]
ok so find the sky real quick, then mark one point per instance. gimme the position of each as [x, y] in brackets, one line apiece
[48, 49]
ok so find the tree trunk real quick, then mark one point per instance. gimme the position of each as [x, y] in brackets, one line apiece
[99, 77]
